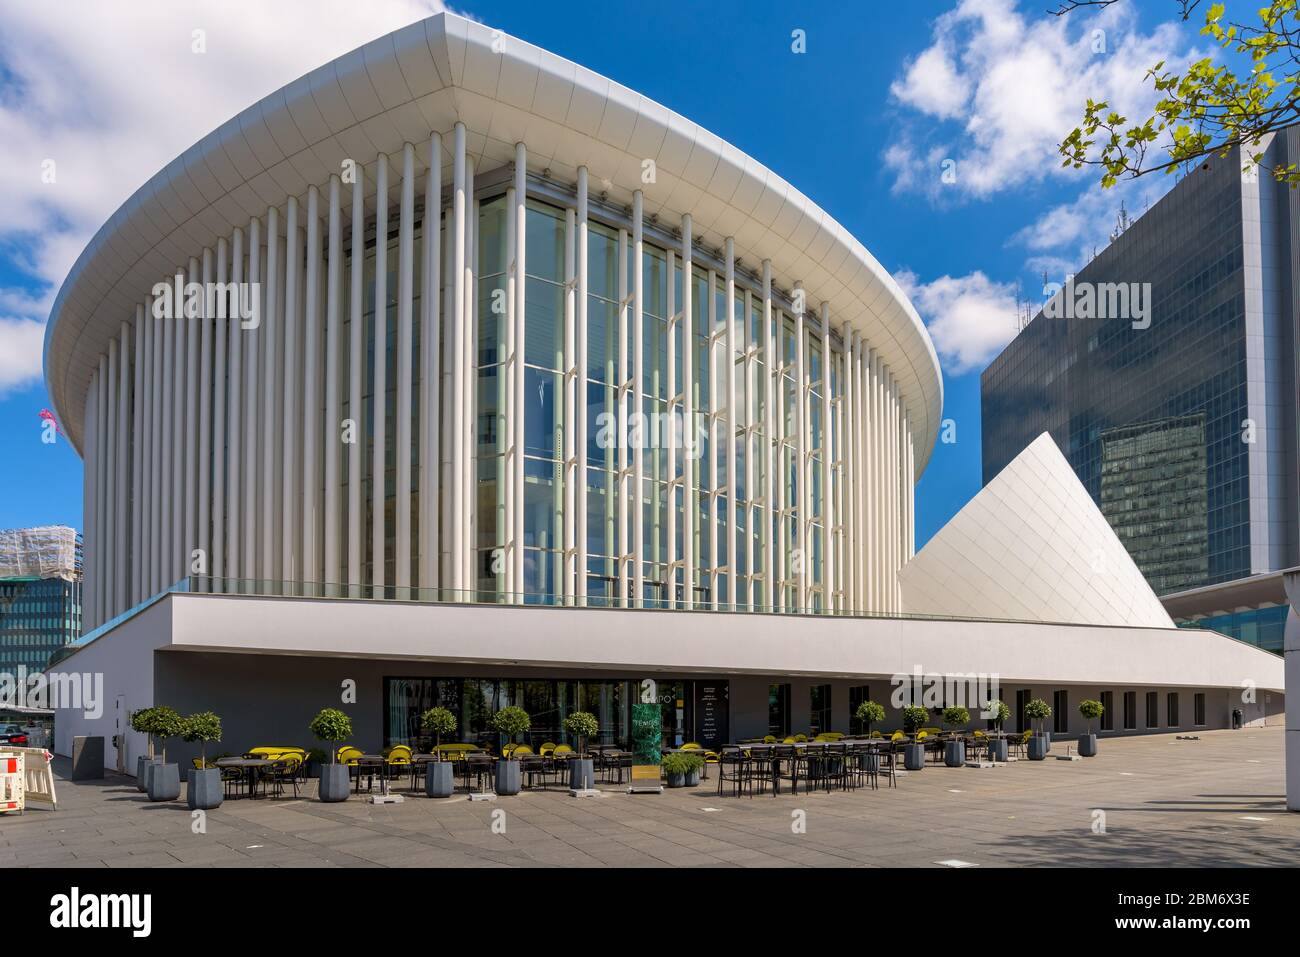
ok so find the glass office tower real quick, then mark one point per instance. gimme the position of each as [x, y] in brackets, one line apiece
[1180, 422]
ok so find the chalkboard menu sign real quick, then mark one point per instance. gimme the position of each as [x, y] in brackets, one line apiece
[712, 714]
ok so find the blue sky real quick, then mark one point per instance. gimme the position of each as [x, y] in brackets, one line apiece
[864, 122]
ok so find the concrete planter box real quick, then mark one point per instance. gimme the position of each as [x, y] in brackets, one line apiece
[142, 772]
[1038, 746]
[335, 783]
[954, 753]
[203, 789]
[676, 780]
[914, 757]
[439, 780]
[692, 779]
[164, 782]
[998, 749]
[1047, 737]
[582, 774]
[509, 779]
[1088, 745]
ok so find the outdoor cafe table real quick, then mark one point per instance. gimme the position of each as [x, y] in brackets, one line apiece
[370, 763]
[251, 765]
[874, 743]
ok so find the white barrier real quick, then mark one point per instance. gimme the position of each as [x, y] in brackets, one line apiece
[38, 777]
[11, 783]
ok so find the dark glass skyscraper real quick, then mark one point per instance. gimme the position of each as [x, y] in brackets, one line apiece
[1181, 422]
[40, 595]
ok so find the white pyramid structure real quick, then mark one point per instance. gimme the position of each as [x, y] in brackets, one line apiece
[1031, 546]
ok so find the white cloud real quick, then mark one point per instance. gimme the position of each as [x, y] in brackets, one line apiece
[1007, 87]
[970, 318]
[21, 341]
[113, 92]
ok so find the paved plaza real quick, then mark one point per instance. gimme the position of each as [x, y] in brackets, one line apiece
[1214, 801]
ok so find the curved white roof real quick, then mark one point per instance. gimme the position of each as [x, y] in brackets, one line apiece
[1031, 546]
[426, 77]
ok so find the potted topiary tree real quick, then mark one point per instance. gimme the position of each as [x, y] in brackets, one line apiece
[998, 746]
[954, 751]
[332, 725]
[439, 781]
[1038, 711]
[142, 723]
[914, 719]
[869, 713]
[582, 725]
[510, 722]
[1091, 711]
[164, 780]
[203, 785]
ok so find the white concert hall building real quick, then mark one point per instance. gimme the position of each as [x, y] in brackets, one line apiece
[530, 389]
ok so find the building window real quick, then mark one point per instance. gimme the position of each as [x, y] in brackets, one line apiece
[1108, 711]
[1022, 699]
[778, 710]
[1171, 709]
[1198, 708]
[857, 695]
[1130, 710]
[819, 718]
[1061, 712]
[1153, 709]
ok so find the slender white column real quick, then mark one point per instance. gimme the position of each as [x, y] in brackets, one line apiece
[714, 413]
[104, 498]
[771, 363]
[122, 542]
[261, 397]
[469, 379]
[193, 333]
[572, 380]
[332, 432]
[169, 483]
[871, 474]
[691, 448]
[803, 499]
[290, 546]
[405, 297]
[880, 486]
[111, 445]
[146, 439]
[459, 294]
[782, 556]
[136, 590]
[157, 435]
[203, 541]
[235, 567]
[356, 343]
[638, 399]
[673, 409]
[896, 502]
[88, 491]
[749, 348]
[827, 510]
[909, 476]
[378, 478]
[97, 426]
[311, 564]
[218, 323]
[729, 432]
[430, 369]
[624, 549]
[580, 416]
[839, 466]
[512, 407]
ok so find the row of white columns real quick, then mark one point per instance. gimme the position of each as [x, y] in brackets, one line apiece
[221, 453]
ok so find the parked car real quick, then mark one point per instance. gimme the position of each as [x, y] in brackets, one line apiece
[14, 735]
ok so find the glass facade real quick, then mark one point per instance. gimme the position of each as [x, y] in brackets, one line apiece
[38, 616]
[1263, 627]
[1157, 421]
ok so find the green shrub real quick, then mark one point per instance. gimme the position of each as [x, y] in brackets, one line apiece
[1091, 710]
[582, 725]
[331, 725]
[956, 717]
[869, 712]
[681, 763]
[1038, 711]
[141, 722]
[914, 718]
[1000, 712]
[510, 722]
[202, 727]
[437, 722]
[164, 723]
